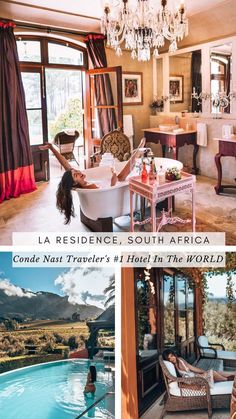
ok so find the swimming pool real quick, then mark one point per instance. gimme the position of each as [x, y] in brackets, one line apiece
[55, 391]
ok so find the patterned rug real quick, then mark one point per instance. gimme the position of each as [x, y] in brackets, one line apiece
[204, 226]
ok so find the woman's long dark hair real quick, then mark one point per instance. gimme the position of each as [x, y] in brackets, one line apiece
[93, 373]
[165, 355]
[64, 196]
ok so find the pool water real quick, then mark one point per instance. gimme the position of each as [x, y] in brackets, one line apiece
[54, 391]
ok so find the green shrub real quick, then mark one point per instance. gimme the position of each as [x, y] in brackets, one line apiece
[8, 364]
[72, 342]
[63, 350]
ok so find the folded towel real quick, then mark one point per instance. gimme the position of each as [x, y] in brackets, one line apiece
[202, 134]
[129, 128]
[227, 131]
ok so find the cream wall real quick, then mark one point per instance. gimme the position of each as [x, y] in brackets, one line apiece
[141, 113]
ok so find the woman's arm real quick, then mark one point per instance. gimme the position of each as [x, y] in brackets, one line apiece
[130, 163]
[62, 160]
[91, 186]
[113, 177]
[192, 368]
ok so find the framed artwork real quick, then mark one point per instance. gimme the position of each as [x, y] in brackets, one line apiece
[176, 84]
[132, 88]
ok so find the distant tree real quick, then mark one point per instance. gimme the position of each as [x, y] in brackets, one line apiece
[58, 338]
[11, 325]
[76, 317]
[71, 118]
[17, 349]
[49, 347]
[72, 342]
[82, 338]
[110, 292]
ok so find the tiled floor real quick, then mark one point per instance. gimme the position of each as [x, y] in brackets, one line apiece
[37, 211]
[155, 413]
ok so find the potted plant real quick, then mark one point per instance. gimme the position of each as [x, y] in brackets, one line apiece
[157, 104]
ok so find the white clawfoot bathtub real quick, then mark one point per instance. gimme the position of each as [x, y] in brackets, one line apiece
[107, 201]
[111, 201]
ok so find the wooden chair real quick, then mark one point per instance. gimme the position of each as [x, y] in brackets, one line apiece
[114, 142]
[65, 140]
[233, 402]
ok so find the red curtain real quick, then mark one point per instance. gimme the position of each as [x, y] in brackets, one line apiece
[16, 166]
[103, 90]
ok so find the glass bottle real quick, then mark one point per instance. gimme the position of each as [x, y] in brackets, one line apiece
[161, 175]
[151, 175]
[144, 173]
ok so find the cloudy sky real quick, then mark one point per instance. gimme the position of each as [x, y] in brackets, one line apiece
[80, 285]
[217, 285]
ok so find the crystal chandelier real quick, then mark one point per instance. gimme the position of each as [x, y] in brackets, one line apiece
[143, 26]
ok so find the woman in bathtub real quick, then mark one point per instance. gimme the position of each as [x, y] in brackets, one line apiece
[74, 178]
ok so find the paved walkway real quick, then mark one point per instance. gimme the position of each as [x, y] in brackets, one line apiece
[155, 413]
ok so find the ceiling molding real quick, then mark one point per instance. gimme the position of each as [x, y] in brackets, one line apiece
[48, 9]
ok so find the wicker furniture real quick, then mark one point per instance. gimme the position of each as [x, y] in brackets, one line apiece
[114, 142]
[65, 140]
[233, 401]
[192, 393]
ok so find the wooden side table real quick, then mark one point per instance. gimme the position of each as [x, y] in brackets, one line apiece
[174, 140]
[155, 193]
[227, 148]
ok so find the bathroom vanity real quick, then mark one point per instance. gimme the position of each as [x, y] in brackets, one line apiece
[227, 148]
[174, 140]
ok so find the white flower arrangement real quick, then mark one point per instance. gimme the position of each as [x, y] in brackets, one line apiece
[173, 174]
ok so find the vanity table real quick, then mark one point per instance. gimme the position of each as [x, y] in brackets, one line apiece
[227, 148]
[174, 140]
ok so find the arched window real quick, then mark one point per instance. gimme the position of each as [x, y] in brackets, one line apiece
[52, 72]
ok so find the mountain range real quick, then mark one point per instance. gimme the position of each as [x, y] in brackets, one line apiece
[44, 305]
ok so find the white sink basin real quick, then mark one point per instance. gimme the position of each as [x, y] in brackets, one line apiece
[168, 127]
[167, 163]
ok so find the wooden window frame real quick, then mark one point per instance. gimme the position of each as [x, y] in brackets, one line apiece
[30, 66]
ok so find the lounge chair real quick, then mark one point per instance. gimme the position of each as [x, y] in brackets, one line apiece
[193, 393]
[209, 350]
[65, 140]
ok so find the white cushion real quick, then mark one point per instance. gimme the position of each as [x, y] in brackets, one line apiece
[203, 341]
[226, 355]
[224, 387]
[173, 385]
[171, 368]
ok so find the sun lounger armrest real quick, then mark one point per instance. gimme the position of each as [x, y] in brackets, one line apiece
[201, 349]
[218, 344]
[194, 386]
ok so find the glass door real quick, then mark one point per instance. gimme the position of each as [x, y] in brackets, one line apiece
[104, 111]
[64, 101]
[34, 87]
